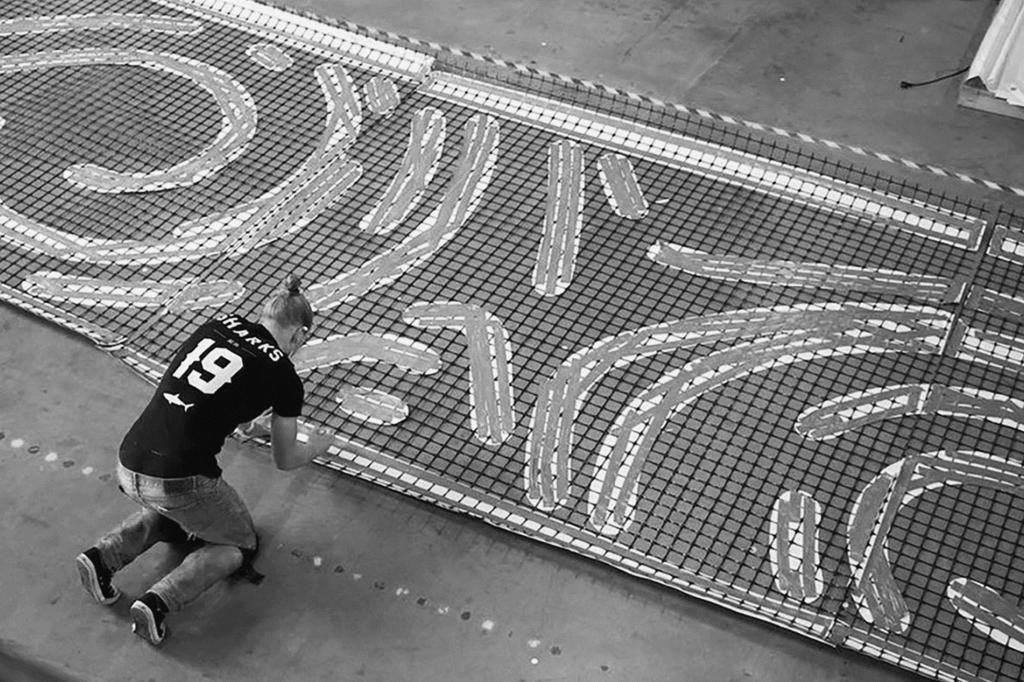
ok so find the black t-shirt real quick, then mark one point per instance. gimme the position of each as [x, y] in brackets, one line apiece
[228, 372]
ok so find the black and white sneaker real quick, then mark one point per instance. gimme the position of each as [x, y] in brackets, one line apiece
[147, 615]
[96, 578]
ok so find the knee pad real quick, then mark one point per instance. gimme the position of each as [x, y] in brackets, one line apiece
[247, 570]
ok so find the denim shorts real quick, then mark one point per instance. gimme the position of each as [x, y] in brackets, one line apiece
[206, 508]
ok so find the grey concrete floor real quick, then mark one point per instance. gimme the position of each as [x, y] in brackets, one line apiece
[364, 584]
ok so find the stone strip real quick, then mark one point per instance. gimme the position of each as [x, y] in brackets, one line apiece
[270, 57]
[472, 177]
[807, 275]
[419, 165]
[381, 95]
[372, 406]
[406, 354]
[174, 295]
[61, 23]
[995, 303]
[794, 546]
[621, 186]
[563, 219]
[988, 612]
[876, 591]
[837, 416]
[492, 416]
[997, 350]
[878, 328]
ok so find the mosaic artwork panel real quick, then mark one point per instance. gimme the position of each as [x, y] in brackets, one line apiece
[755, 373]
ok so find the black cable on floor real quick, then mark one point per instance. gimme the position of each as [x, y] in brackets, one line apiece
[908, 84]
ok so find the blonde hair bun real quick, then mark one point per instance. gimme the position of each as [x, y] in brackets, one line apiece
[289, 307]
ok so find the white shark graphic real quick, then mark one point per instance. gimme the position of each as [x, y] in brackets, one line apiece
[175, 399]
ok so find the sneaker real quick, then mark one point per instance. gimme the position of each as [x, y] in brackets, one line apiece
[95, 577]
[147, 615]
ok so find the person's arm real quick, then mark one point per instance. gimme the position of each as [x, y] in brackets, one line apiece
[288, 452]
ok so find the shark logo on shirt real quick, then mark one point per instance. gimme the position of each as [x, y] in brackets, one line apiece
[175, 399]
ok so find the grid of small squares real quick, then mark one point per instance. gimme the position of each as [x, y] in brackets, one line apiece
[709, 484]
[689, 122]
[952, 532]
[960, 531]
[79, 115]
[975, 532]
[42, 138]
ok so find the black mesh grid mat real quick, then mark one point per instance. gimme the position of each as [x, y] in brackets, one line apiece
[754, 373]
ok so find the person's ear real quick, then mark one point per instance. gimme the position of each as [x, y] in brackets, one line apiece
[297, 339]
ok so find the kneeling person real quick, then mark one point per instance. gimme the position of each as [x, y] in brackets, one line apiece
[228, 372]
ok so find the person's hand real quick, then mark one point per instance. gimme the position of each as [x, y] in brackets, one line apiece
[319, 440]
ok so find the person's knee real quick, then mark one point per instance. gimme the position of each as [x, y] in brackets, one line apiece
[249, 553]
[247, 570]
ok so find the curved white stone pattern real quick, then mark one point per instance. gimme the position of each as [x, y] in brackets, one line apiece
[780, 336]
[343, 349]
[238, 116]
[832, 418]
[407, 187]
[623, 451]
[292, 204]
[995, 303]
[875, 589]
[993, 615]
[471, 178]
